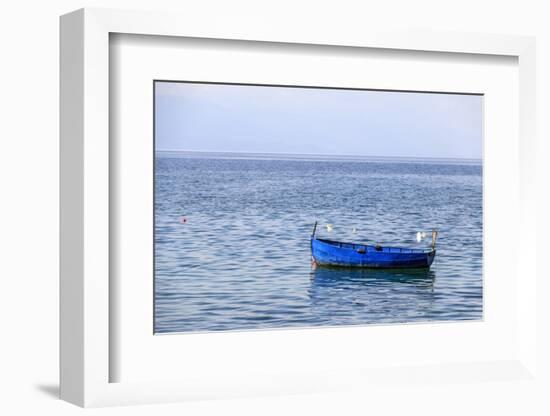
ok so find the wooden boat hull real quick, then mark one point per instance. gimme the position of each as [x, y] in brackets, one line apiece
[340, 254]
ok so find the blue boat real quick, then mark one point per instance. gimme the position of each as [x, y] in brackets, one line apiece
[336, 253]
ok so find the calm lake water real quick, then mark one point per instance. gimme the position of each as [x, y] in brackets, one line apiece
[242, 259]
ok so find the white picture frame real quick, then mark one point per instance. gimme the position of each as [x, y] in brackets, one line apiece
[85, 211]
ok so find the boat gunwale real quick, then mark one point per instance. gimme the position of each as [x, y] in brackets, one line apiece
[407, 250]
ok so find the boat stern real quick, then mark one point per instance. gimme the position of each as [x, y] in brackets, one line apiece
[431, 257]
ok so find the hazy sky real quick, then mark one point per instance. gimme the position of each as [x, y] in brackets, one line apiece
[234, 118]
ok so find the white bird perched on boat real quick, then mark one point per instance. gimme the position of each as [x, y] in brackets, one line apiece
[420, 236]
[330, 227]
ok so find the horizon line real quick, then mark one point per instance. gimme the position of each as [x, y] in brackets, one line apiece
[320, 155]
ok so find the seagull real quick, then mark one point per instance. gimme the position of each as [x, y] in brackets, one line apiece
[354, 230]
[420, 236]
[329, 227]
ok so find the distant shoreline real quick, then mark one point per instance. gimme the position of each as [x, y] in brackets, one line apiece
[167, 153]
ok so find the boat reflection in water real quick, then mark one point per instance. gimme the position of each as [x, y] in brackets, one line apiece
[362, 296]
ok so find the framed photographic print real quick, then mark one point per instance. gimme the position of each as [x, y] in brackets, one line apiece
[264, 213]
[287, 206]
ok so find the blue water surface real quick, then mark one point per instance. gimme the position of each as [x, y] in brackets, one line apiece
[242, 258]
